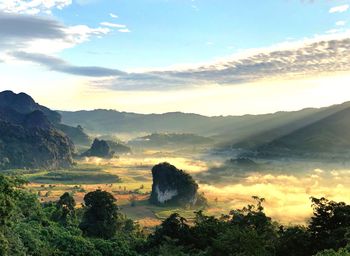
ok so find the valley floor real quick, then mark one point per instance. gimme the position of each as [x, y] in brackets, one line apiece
[287, 187]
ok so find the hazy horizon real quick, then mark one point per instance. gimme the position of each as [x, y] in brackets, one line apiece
[297, 108]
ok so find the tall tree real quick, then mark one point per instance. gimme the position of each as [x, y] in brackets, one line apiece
[65, 209]
[100, 218]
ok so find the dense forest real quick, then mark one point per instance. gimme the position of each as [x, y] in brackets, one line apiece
[28, 227]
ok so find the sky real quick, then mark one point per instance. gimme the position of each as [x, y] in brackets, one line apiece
[219, 57]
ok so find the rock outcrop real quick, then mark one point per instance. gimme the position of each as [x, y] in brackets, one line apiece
[172, 186]
[99, 148]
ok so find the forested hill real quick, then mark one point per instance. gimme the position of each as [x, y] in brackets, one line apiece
[329, 136]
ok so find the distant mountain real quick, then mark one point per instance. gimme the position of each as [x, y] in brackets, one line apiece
[287, 124]
[110, 121]
[76, 134]
[326, 138]
[174, 140]
[246, 131]
[27, 137]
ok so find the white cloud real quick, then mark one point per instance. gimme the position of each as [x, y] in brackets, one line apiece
[340, 23]
[291, 60]
[114, 16]
[32, 6]
[124, 30]
[340, 8]
[72, 36]
[112, 25]
[30, 33]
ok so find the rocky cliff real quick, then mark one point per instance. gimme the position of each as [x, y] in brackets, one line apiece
[22, 103]
[172, 186]
[28, 138]
[99, 148]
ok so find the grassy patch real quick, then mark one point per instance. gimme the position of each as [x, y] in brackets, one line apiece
[75, 177]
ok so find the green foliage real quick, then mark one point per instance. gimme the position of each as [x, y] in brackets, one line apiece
[101, 215]
[114, 247]
[340, 252]
[330, 225]
[29, 228]
[9, 194]
[294, 241]
[65, 210]
[244, 232]
[51, 229]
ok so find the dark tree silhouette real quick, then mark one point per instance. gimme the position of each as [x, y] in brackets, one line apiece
[100, 218]
[330, 225]
[65, 212]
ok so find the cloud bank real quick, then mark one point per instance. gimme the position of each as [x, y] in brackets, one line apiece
[306, 59]
[303, 59]
[41, 34]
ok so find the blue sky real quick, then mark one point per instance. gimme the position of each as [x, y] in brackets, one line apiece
[242, 56]
[165, 33]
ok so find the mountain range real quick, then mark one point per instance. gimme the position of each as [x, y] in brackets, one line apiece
[32, 135]
[318, 131]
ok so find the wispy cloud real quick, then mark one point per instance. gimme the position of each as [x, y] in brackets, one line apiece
[300, 59]
[124, 30]
[57, 64]
[32, 6]
[340, 23]
[112, 25]
[114, 16]
[339, 8]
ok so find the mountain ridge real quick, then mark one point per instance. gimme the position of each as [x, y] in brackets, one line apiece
[28, 139]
